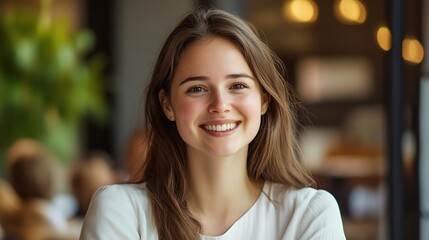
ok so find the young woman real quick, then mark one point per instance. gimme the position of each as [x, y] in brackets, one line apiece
[222, 159]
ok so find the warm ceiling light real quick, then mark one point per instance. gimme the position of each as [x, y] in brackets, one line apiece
[350, 11]
[412, 50]
[303, 11]
[384, 38]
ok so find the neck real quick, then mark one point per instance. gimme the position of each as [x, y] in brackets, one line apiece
[220, 191]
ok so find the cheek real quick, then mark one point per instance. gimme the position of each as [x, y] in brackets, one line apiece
[186, 112]
[186, 109]
[251, 104]
[251, 110]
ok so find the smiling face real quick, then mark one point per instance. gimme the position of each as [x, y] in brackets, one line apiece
[215, 99]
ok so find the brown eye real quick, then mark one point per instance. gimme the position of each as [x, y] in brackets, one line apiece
[195, 89]
[239, 85]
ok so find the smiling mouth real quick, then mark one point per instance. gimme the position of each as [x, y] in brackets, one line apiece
[220, 127]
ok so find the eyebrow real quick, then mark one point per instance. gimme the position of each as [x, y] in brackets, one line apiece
[230, 76]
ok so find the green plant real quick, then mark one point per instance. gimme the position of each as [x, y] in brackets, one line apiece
[48, 84]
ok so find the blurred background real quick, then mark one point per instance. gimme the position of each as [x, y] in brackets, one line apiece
[72, 74]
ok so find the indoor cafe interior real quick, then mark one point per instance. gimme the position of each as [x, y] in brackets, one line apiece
[72, 75]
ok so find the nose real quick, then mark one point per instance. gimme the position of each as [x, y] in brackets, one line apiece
[219, 103]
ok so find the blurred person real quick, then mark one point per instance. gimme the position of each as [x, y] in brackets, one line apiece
[32, 178]
[9, 205]
[24, 147]
[87, 175]
[223, 159]
[135, 156]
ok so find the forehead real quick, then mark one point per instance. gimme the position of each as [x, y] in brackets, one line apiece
[210, 55]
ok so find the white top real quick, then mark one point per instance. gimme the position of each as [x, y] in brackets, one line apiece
[281, 212]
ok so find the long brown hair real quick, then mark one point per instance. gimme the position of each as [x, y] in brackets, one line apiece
[273, 154]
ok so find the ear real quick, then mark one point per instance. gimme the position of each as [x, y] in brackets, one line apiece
[265, 101]
[166, 105]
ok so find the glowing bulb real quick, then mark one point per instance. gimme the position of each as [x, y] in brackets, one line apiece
[350, 11]
[412, 50]
[303, 11]
[384, 38]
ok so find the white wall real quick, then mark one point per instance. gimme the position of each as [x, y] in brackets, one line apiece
[140, 29]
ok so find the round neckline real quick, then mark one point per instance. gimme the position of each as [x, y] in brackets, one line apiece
[244, 216]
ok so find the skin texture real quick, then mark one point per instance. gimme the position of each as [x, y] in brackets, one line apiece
[213, 85]
[217, 104]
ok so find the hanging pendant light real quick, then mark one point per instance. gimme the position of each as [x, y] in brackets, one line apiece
[300, 11]
[350, 11]
[412, 50]
[384, 38]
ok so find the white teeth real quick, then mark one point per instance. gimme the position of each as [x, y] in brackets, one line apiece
[220, 128]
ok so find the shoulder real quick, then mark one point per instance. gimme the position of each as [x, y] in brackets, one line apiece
[120, 210]
[132, 192]
[306, 199]
[121, 197]
[127, 189]
[131, 198]
[281, 193]
[309, 212]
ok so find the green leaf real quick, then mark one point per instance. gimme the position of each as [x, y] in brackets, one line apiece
[48, 84]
